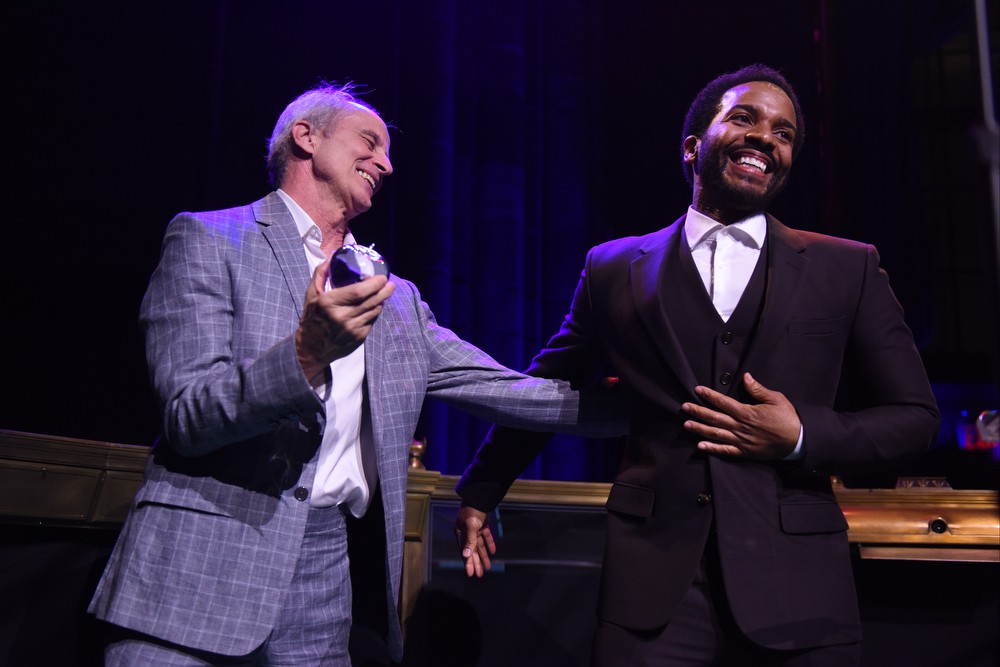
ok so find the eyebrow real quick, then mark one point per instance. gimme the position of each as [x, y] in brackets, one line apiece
[373, 135]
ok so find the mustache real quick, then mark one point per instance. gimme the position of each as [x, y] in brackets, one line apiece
[766, 150]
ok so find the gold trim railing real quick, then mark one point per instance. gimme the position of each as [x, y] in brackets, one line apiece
[56, 481]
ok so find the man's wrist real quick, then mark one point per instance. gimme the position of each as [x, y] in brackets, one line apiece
[799, 452]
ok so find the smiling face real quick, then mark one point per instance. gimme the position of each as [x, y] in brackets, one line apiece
[350, 160]
[743, 159]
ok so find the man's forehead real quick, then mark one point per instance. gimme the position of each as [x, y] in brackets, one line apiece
[752, 89]
[366, 119]
[753, 93]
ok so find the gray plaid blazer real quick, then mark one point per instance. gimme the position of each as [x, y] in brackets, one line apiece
[213, 535]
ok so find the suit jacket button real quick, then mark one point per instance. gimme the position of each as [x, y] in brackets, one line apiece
[301, 493]
[727, 338]
[703, 499]
[725, 378]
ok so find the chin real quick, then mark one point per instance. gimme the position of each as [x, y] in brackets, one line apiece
[750, 195]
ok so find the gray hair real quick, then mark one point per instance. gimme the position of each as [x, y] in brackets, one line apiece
[322, 106]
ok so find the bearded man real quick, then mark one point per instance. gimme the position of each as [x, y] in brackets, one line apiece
[757, 361]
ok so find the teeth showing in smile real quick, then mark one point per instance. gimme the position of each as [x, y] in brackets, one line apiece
[367, 177]
[748, 161]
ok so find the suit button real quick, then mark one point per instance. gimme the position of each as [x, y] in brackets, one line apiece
[727, 338]
[703, 499]
[301, 493]
[725, 378]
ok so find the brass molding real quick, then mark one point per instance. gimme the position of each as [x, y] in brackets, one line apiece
[925, 516]
[53, 481]
[537, 491]
[18, 446]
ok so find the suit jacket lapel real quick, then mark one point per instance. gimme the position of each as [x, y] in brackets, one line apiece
[375, 348]
[278, 228]
[787, 268]
[649, 292]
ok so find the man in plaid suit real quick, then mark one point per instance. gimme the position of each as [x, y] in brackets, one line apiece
[284, 424]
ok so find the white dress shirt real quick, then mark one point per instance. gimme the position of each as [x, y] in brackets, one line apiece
[340, 476]
[726, 256]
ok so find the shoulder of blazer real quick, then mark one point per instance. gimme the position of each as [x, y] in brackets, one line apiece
[802, 241]
[629, 248]
[231, 224]
[271, 210]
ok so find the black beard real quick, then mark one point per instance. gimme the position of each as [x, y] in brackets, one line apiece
[735, 197]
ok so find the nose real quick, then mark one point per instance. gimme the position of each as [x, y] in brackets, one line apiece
[383, 164]
[760, 136]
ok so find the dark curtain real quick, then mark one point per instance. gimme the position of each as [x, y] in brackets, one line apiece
[492, 215]
[901, 99]
[876, 138]
[525, 132]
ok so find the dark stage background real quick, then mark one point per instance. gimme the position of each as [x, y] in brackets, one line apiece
[525, 132]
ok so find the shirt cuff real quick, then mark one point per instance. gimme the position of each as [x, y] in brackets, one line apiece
[322, 383]
[799, 452]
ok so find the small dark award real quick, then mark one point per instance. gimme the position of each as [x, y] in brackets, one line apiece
[353, 263]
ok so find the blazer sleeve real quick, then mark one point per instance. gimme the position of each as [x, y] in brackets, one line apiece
[210, 396]
[573, 354]
[885, 412]
[462, 375]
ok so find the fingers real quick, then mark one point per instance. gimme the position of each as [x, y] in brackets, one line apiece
[318, 282]
[721, 401]
[717, 448]
[724, 429]
[470, 555]
[483, 551]
[475, 540]
[335, 322]
[766, 429]
[356, 306]
[488, 540]
[757, 390]
[365, 294]
[712, 433]
[709, 418]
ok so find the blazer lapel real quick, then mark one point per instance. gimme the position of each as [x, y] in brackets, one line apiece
[375, 349]
[787, 268]
[278, 228]
[649, 293]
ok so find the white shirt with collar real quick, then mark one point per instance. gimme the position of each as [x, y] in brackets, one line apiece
[726, 256]
[340, 476]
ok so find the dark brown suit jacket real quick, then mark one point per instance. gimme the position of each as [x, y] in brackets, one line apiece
[831, 337]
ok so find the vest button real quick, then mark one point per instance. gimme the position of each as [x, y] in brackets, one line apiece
[301, 493]
[727, 338]
[725, 378]
[703, 499]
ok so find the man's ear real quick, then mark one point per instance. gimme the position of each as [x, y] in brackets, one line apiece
[304, 136]
[691, 146]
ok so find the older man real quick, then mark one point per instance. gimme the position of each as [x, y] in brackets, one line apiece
[285, 419]
[758, 361]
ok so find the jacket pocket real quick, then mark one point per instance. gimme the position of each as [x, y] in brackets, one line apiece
[631, 499]
[816, 327]
[806, 518]
[185, 499]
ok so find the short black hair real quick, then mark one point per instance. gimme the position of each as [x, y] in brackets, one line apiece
[706, 105]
